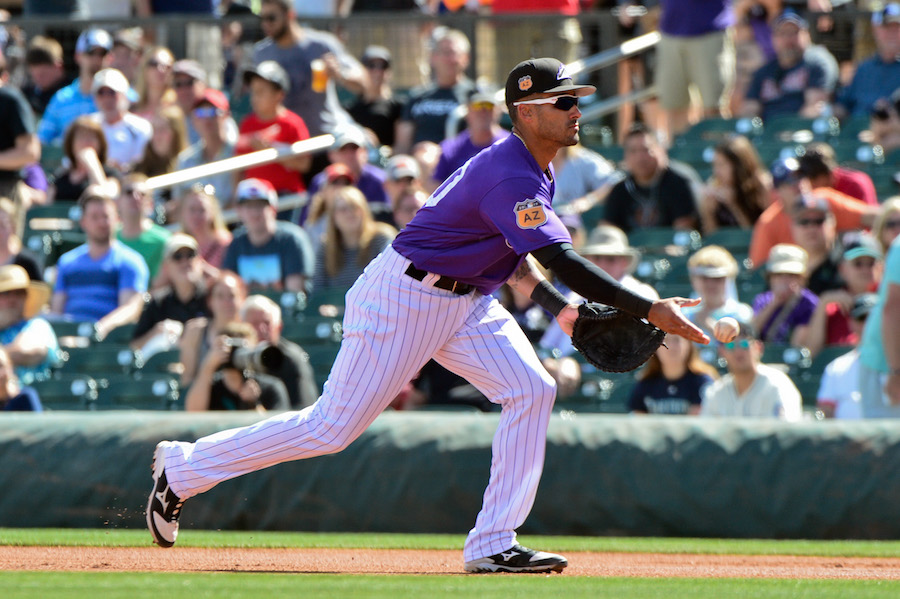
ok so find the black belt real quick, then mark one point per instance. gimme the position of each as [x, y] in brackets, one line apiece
[442, 283]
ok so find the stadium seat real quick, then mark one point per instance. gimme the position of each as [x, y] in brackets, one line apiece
[664, 239]
[313, 329]
[51, 157]
[714, 130]
[164, 362]
[100, 360]
[600, 392]
[734, 239]
[800, 129]
[68, 392]
[145, 392]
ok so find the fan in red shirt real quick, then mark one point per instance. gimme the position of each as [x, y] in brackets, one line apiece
[272, 125]
[861, 268]
[819, 165]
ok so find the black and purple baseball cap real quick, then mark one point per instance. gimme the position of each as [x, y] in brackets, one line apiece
[541, 76]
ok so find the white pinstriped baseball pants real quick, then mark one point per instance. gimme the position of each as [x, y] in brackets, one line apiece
[392, 326]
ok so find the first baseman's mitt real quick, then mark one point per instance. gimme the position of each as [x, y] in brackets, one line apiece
[612, 340]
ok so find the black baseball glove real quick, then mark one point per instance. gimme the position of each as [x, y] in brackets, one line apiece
[612, 340]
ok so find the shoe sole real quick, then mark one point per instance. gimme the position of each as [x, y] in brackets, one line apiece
[494, 568]
[157, 538]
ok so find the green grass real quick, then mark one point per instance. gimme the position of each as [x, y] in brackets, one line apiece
[225, 585]
[82, 585]
[258, 539]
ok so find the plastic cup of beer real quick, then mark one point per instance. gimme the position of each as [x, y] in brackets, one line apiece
[319, 75]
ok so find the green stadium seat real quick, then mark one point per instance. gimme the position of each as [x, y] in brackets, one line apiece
[313, 329]
[664, 239]
[733, 239]
[852, 126]
[99, 360]
[714, 130]
[800, 129]
[164, 362]
[600, 392]
[51, 157]
[145, 392]
[68, 392]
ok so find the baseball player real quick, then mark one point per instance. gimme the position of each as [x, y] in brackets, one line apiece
[429, 296]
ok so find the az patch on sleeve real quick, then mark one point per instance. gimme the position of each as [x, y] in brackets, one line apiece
[530, 214]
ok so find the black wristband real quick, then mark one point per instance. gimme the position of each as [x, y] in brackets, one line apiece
[548, 297]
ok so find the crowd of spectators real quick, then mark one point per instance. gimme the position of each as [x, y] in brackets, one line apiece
[164, 261]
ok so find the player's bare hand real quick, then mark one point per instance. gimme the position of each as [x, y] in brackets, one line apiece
[667, 315]
[566, 319]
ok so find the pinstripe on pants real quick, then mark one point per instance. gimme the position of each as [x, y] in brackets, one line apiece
[393, 325]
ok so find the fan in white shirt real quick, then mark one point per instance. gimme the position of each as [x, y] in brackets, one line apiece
[751, 389]
[126, 133]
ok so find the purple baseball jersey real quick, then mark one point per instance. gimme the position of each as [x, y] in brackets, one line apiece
[478, 228]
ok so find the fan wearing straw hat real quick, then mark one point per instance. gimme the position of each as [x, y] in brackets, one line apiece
[27, 338]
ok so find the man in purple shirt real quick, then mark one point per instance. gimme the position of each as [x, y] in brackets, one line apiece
[350, 149]
[482, 129]
[428, 296]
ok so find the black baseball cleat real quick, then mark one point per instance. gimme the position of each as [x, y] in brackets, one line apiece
[163, 506]
[519, 559]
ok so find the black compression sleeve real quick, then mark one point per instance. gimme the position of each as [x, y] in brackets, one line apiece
[547, 297]
[590, 281]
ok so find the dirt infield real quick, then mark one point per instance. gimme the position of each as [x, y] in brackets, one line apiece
[393, 561]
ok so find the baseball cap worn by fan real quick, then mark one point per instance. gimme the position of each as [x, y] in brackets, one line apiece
[889, 14]
[191, 68]
[271, 71]
[542, 76]
[785, 170]
[179, 241]
[401, 166]
[858, 245]
[787, 258]
[93, 38]
[214, 97]
[791, 17]
[376, 53]
[337, 171]
[250, 190]
[349, 135]
[111, 78]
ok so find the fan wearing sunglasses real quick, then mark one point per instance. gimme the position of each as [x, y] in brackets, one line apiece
[652, 194]
[751, 389]
[482, 129]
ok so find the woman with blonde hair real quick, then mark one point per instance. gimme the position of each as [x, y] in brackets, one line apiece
[352, 239]
[169, 139]
[154, 82]
[713, 271]
[200, 216]
[673, 380]
[887, 223]
[738, 191]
